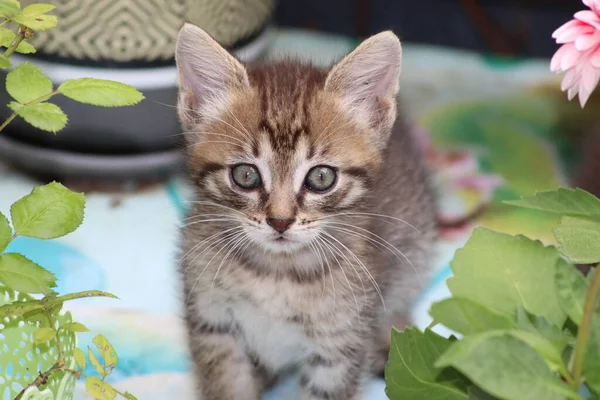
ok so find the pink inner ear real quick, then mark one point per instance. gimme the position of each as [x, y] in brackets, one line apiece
[385, 85]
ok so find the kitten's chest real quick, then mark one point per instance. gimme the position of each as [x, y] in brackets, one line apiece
[279, 342]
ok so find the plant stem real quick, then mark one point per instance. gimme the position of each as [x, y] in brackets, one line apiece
[8, 120]
[18, 39]
[42, 378]
[583, 331]
[38, 100]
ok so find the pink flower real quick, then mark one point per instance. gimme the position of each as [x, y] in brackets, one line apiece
[579, 55]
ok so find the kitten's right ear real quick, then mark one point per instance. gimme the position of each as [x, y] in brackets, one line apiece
[207, 76]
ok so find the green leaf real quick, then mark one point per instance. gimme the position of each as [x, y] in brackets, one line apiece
[540, 325]
[108, 353]
[94, 361]
[8, 8]
[50, 211]
[571, 287]
[34, 16]
[6, 36]
[410, 371]
[38, 9]
[27, 83]
[543, 347]
[4, 62]
[87, 293]
[79, 356]
[467, 317]
[574, 202]
[20, 308]
[38, 317]
[99, 390]
[5, 232]
[504, 366]
[45, 116]
[100, 92]
[579, 239]
[43, 335]
[75, 327]
[129, 396]
[591, 360]
[23, 275]
[25, 48]
[476, 393]
[501, 272]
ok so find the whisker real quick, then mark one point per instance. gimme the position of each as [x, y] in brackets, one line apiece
[205, 215]
[209, 220]
[229, 241]
[345, 276]
[217, 134]
[373, 215]
[330, 274]
[210, 203]
[247, 134]
[349, 263]
[240, 239]
[383, 242]
[232, 232]
[203, 241]
[365, 269]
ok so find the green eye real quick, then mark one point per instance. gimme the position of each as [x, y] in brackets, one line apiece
[320, 179]
[246, 176]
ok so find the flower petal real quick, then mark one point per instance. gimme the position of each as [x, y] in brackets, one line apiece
[584, 95]
[557, 57]
[593, 4]
[595, 58]
[570, 78]
[588, 17]
[569, 35]
[567, 25]
[590, 77]
[572, 92]
[570, 58]
[586, 42]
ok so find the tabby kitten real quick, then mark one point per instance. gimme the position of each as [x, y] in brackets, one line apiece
[313, 222]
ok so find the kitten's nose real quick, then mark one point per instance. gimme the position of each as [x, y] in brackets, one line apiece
[280, 225]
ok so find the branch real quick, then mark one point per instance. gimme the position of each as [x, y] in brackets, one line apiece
[21, 35]
[42, 378]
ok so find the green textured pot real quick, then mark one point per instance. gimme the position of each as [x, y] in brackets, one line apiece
[133, 42]
[21, 360]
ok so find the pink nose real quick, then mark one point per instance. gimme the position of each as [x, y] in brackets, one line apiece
[280, 225]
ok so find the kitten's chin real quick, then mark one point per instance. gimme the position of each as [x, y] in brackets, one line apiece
[283, 246]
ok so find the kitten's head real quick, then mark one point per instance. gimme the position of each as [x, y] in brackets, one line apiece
[283, 147]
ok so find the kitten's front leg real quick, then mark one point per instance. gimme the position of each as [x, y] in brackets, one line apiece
[223, 369]
[336, 374]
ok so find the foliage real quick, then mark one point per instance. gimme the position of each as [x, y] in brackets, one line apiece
[50, 211]
[529, 320]
[31, 89]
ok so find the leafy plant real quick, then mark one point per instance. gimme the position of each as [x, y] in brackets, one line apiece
[50, 211]
[529, 320]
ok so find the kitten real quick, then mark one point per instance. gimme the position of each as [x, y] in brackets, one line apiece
[313, 223]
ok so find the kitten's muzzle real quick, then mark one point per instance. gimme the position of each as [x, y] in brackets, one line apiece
[280, 225]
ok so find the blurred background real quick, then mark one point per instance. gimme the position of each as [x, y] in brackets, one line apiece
[487, 113]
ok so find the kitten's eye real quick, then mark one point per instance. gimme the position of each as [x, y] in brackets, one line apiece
[320, 179]
[246, 176]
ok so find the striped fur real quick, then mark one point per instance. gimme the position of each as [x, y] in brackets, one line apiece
[323, 295]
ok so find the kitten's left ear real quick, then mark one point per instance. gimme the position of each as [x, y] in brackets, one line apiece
[368, 80]
[208, 75]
